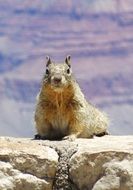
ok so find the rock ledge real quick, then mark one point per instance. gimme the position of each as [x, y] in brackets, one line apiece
[102, 163]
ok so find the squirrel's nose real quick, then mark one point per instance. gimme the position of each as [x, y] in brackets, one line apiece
[57, 79]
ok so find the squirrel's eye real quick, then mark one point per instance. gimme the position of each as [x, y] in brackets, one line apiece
[68, 71]
[47, 71]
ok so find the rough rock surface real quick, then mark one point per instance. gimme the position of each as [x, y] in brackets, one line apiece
[26, 165]
[102, 163]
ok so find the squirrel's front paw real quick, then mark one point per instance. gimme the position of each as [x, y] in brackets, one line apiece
[37, 137]
[70, 137]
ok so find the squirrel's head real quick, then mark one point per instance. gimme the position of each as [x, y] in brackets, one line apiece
[58, 75]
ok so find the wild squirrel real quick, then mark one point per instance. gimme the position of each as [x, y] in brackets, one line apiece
[62, 110]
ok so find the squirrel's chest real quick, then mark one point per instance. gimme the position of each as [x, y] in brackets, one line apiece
[59, 116]
[59, 121]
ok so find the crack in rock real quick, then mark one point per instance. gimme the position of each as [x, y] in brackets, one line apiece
[62, 180]
[98, 163]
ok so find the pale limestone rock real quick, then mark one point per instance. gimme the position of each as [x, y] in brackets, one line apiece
[118, 175]
[26, 165]
[103, 164]
[13, 179]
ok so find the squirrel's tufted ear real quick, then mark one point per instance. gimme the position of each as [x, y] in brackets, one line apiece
[67, 60]
[48, 61]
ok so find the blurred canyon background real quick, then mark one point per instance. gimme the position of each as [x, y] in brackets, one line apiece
[98, 34]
